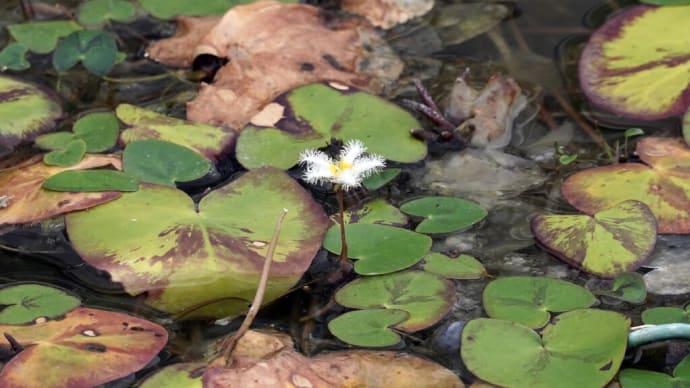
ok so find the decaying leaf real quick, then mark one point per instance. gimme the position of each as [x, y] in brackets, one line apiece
[264, 359]
[253, 38]
[388, 13]
[26, 201]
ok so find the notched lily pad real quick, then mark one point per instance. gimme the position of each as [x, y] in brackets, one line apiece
[663, 315]
[162, 162]
[96, 50]
[425, 296]
[529, 300]
[313, 114]
[378, 249]
[614, 241]
[376, 211]
[98, 12]
[73, 152]
[23, 303]
[368, 327]
[42, 37]
[461, 267]
[444, 214]
[91, 180]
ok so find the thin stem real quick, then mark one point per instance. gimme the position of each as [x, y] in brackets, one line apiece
[230, 342]
[341, 211]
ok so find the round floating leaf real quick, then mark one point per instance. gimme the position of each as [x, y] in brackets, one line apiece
[633, 378]
[96, 50]
[157, 240]
[13, 57]
[162, 162]
[628, 287]
[54, 141]
[377, 211]
[166, 9]
[22, 303]
[144, 124]
[183, 375]
[378, 249]
[629, 67]
[614, 241]
[313, 114]
[69, 156]
[42, 37]
[25, 111]
[444, 214]
[97, 12]
[663, 315]
[86, 348]
[583, 348]
[529, 300]
[426, 297]
[98, 130]
[368, 327]
[461, 267]
[380, 179]
[91, 180]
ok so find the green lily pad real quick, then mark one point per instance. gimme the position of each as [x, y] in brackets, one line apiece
[368, 327]
[628, 287]
[96, 50]
[42, 37]
[91, 180]
[638, 378]
[427, 298]
[86, 348]
[23, 303]
[583, 348]
[162, 162]
[25, 111]
[166, 9]
[13, 57]
[629, 67]
[54, 140]
[99, 130]
[313, 114]
[376, 211]
[529, 300]
[461, 267]
[98, 12]
[144, 124]
[182, 375]
[614, 241]
[663, 315]
[68, 156]
[378, 249]
[156, 240]
[444, 214]
[380, 179]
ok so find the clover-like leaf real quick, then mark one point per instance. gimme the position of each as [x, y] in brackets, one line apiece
[378, 249]
[73, 152]
[162, 162]
[311, 115]
[23, 303]
[97, 12]
[86, 348]
[13, 57]
[529, 300]
[96, 50]
[582, 348]
[42, 37]
[427, 298]
[188, 255]
[91, 180]
[461, 267]
[444, 214]
[368, 327]
[613, 241]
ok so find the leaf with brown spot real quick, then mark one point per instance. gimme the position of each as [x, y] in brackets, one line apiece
[86, 348]
[28, 202]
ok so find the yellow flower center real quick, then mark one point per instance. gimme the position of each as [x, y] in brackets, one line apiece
[340, 166]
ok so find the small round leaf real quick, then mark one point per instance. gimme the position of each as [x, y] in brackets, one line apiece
[444, 214]
[663, 315]
[162, 162]
[68, 156]
[368, 327]
[23, 303]
[461, 267]
[99, 131]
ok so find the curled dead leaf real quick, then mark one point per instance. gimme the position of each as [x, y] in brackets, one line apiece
[388, 13]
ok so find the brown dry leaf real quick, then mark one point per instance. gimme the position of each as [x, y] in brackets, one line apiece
[272, 48]
[23, 199]
[388, 13]
[264, 359]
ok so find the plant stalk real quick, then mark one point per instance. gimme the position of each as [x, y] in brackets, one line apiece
[341, 221]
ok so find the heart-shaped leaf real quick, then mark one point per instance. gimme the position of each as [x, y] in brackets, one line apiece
[311, 115]
[28, 202]
[444, 214]
[13, 57]
[162, 162]
[25, 111]
[376, 211]
[22, 303]
[68, 156]
[613, 241]
[42, 37]
[461, 267]
[378, 249]
[144, 124]
[87, 348]
[631, 378]
[185, 255]
[96, 50]
[425, 296]
[368, 327]
[529, 300]
[97, 12]
[99, 130]
[663, 315]
[91, 180]
[583, 348]
[54, 140]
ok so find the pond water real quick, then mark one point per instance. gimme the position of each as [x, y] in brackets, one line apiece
[537, 45]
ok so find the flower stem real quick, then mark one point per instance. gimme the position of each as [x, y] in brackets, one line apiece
[341, 211]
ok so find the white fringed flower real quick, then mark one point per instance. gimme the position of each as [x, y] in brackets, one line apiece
[348, 171]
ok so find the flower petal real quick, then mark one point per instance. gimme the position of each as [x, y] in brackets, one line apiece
[368, 165]
[352, 150]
